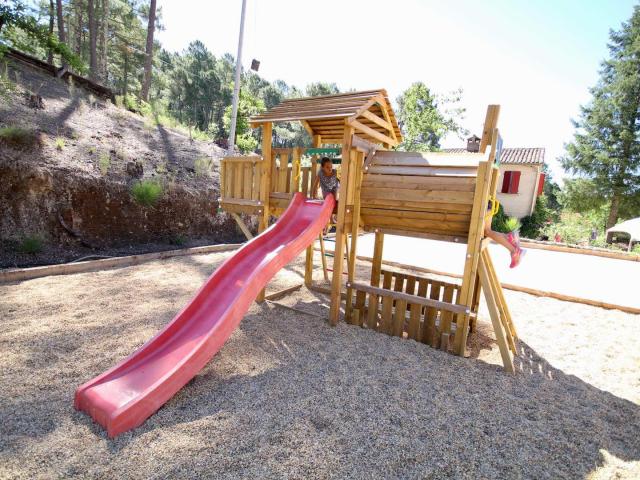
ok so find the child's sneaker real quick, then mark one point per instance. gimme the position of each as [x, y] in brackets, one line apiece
[514, 239]
[516, 257]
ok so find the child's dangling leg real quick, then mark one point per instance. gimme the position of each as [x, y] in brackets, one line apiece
[509, 241]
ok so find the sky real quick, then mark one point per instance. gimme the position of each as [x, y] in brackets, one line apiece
[537, 59]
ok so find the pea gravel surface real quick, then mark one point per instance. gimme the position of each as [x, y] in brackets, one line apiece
[288, 396]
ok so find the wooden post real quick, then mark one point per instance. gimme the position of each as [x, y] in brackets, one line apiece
[343, 195]
[308, 265]
[265, 184]
[376, 265]
[490, 123]
[358, 160]
[476, 229]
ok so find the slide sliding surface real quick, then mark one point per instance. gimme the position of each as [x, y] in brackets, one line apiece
[126, 395]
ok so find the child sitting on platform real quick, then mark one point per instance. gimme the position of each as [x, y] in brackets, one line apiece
[510, 241]
[328, 181]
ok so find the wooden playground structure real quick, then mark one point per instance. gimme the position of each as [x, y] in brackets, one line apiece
[432, 195]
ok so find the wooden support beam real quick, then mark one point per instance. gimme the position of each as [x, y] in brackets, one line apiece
[476, 229]
[363, 145]
[265, 184]
[427, 302]
[377, 120]
[351, 255]
[308, 264]
[490, 123]
[373, 133]
[501, 335]
[323, 254]
[242, 225]
[343, 195]
[283, 293]
[376, 267]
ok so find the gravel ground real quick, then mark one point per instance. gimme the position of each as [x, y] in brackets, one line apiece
[290, 397]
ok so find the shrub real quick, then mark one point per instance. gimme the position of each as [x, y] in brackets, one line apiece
[59, 143]
[246, 143]
[18, 137]
[104, 163]
[203, 166]
[146, 192]
[31, 244]
[533, 225]
[178, 240]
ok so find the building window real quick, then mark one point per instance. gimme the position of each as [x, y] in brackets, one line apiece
[541, 184]
[510, 182]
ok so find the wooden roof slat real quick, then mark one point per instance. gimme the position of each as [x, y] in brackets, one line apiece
[332, 111]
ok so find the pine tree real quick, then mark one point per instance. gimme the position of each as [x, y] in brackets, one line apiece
[93, 40]
[605, 152]
[148, 62]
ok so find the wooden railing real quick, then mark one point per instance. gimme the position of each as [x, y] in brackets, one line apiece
[419, 308]
[240, 180]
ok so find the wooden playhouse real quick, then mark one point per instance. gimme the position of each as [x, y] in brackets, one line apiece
[428, 195]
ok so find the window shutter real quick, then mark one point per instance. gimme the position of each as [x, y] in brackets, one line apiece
[515, 182]
[541, 184]
[506, 181]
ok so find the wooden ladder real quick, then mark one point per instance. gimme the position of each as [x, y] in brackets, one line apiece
[503, 326]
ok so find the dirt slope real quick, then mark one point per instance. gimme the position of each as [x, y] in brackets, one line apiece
[72, 188]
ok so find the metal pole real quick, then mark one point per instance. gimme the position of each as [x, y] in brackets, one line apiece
[236, 87]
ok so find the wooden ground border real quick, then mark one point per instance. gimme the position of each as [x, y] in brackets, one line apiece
[21, 274]
[570, 248]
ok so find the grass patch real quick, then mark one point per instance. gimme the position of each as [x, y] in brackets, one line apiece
[59, 143]
[147, 192]
[203, 166]
[178, 240]
[18, 137]
[31, 244]
[104, 162]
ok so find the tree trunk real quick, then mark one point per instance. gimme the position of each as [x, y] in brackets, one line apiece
[93, 37]
[126, 75]
[105, 40]
[79, 28]
[61, 35]
[149, 52]
[52, 13]
[613, 211]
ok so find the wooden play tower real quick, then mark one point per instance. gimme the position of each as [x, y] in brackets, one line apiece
[431, 195]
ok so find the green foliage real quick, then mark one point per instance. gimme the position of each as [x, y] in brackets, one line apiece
[425, 118]
[147, 192]
[178, 240]
[203, 166]
[7, 87]
[636, 248]
[533, 225]
[503, 223]
[512, 224]
[104, 162]
[247, 106]
[18, 137]
[59, 143]
[23, 31]
[605, 152]
[317, 89]
[576, 227]
[246, 143]
[31, 244]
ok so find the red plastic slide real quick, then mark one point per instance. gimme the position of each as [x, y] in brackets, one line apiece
[125, 396]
